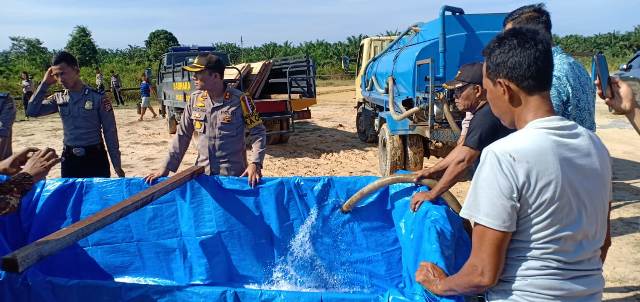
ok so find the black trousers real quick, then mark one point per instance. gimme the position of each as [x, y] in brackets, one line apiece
[25, 100]
[85, 162]
[117, 96]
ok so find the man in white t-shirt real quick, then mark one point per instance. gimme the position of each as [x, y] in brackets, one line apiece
[540, 197]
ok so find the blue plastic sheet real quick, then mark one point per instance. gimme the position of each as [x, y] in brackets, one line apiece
[216, 239]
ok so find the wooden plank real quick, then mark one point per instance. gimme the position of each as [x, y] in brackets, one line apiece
[232, 74]
[28, 255]
[263, 79]
[256, 73]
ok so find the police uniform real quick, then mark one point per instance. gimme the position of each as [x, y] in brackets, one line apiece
[86, 115]
[7, 117]
[219, 127]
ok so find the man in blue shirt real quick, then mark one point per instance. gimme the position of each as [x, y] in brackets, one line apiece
[145, 93]
[572, 92]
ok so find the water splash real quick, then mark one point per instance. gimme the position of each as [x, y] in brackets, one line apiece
[305, 268]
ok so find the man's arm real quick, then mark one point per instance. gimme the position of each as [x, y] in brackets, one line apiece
[7, 116]
[180, 141]
[463, 158]
[607, 240]
[12, 191]
[110, 132]
[38, 105]
[634, 118]
[257, 131]
[481, 271]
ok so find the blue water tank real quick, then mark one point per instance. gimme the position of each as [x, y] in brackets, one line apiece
[460, 37]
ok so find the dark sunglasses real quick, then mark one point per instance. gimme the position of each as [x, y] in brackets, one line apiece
[460, 90]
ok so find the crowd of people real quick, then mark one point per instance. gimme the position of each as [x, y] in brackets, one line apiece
[541, 178]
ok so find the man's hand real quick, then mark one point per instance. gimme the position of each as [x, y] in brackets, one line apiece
[13, 164]
[40, 163]
[48, 78]
[155, 175]
[423, 174]
[623, 100]
[429, 276]
[254, 174]
[419, 198]
[119, 171]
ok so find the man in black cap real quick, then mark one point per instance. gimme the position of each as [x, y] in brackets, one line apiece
[218, 115]
[484, 128]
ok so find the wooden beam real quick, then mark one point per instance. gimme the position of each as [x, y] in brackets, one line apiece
[28, 255]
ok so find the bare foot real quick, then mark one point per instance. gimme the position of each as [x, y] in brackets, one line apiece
[140, 119]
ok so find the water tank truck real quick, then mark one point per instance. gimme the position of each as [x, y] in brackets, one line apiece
[403, 103]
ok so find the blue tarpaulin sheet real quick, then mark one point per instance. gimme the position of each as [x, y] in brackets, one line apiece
[217, 239]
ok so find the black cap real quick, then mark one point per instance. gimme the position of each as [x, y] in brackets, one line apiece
[206, 61]
[468, 74]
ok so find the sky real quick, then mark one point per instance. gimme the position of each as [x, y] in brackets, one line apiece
[119, 23]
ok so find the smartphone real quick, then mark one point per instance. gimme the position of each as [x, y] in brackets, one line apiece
[600, 70]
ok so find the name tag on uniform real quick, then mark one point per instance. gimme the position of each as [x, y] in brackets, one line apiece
[88, 104]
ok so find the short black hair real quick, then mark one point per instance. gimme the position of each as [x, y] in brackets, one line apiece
[523, 56]
[534, 15]
[65, 57]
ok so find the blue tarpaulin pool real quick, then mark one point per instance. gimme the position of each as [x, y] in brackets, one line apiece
[216, 239]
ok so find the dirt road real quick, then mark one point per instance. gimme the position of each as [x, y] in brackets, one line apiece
[328, 145]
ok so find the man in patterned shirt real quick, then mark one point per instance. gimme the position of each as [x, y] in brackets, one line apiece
[26, 168]
[572, 91]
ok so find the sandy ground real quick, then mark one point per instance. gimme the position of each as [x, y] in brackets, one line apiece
[327, 145]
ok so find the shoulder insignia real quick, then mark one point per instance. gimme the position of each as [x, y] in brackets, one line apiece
[249, 112]
[106, 104]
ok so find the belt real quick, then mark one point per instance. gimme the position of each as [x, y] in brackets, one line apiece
[82, 150]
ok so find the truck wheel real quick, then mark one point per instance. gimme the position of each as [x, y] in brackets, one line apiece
[284, 126]
[272, 125]
[173, 124]
[414, 152]
[364, 125]
[390, 151]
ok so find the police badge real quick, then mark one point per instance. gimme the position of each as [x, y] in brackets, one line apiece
[88, 105]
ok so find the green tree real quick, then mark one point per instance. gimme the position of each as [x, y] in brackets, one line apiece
[158, 42]
[82, 46]
[28, 54]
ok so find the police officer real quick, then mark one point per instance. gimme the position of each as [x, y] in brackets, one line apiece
[218, 115]
[86, 115]
[7, 117]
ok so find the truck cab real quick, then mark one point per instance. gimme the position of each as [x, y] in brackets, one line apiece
[369, 48]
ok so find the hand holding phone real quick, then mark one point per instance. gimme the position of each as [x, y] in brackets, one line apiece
[600, 72]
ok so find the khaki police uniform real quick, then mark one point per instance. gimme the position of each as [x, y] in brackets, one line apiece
[86, 116]
[7, 117]
[219, 127]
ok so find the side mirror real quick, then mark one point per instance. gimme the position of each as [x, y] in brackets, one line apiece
[345, 63]
[624, 67]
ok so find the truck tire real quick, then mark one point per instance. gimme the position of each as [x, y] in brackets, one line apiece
[414, 152]
[284, 126]
[272, 125]
[390, 151]
[172, 123]
[364, 125]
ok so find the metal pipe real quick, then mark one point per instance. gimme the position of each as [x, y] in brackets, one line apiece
[443, 37]
[451, 200]
[394, 114]
[450, 119]
[373, 83]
